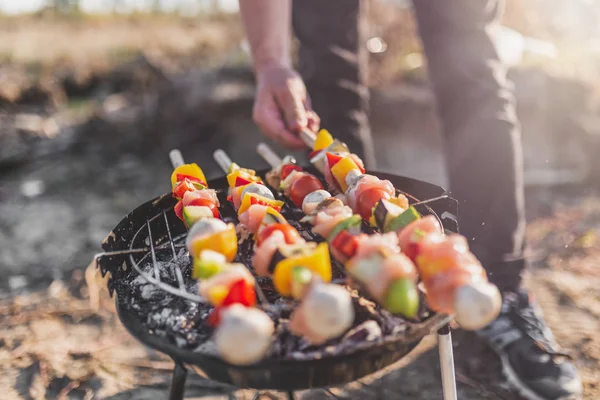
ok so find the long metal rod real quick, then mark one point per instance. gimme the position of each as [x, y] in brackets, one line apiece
[153, 252]
[308, 138]
[178, 382]
[176, 158]
[222, 159]
[268, 155]
[225, 162]
[447, 363]
[142, 250]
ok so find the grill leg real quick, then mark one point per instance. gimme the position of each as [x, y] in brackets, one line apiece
[290, 395]
[178, 382]
[447, 363]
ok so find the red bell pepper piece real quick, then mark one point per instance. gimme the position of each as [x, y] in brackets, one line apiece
[313, 153]
[346, 244]
[181, 177]
[240, 292]
[362, 168]
[214, 318]
[184, 186]
[287, 169]
[254, 200]
[179, 209]
[332, 159]
[239, 181]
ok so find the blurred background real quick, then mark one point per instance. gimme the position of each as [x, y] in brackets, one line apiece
[93, 94]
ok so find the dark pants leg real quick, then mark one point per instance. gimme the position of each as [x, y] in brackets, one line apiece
[481, 132]
[333, 64]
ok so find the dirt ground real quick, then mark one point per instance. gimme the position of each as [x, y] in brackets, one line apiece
[57, 202]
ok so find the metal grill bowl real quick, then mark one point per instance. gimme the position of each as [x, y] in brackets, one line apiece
[152, 231]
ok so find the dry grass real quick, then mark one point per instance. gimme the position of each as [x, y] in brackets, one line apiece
[47, 42]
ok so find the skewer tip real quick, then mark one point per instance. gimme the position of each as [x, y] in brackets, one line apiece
[222, 159]
[308, 137]
[267, 153]
[176, 158]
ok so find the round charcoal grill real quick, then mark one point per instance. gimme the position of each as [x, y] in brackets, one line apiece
[148, 246]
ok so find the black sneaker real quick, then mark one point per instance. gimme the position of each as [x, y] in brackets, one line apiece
[531, 361]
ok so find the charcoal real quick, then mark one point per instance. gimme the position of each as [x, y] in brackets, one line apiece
[368, 331]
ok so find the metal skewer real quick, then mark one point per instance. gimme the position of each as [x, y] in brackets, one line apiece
[222, 159]
[176, 158]
[268, 155]
[225, 162]
[308, 137]
[447, 363]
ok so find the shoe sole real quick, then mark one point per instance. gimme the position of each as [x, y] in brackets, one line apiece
[515, 383]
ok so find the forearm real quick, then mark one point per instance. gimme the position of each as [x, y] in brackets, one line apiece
[268, 28]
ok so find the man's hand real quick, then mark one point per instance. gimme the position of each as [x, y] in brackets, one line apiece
[282, 106]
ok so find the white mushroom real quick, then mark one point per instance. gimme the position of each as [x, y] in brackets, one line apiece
[326, 312]
[477, 304]
[313, 199]
[259, 189]
[244, 335]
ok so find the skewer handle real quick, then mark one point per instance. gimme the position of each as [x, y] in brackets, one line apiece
[308, 137]
[176, 158]
[222, 159]
[267, 153]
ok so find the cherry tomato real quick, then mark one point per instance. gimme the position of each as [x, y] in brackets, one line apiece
[302, 186]
[287, 169]
[206, 203]
[291, 235]
[368, 199]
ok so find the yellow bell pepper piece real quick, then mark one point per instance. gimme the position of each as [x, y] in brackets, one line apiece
[401, 201]
[187, 169]
[253, 198]
[247, 175]
[318, 262]
[341, 169]
[372, 222]
[323, 140]
[233, 167]
[224, 242]
[280, 218]
[217, 294]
